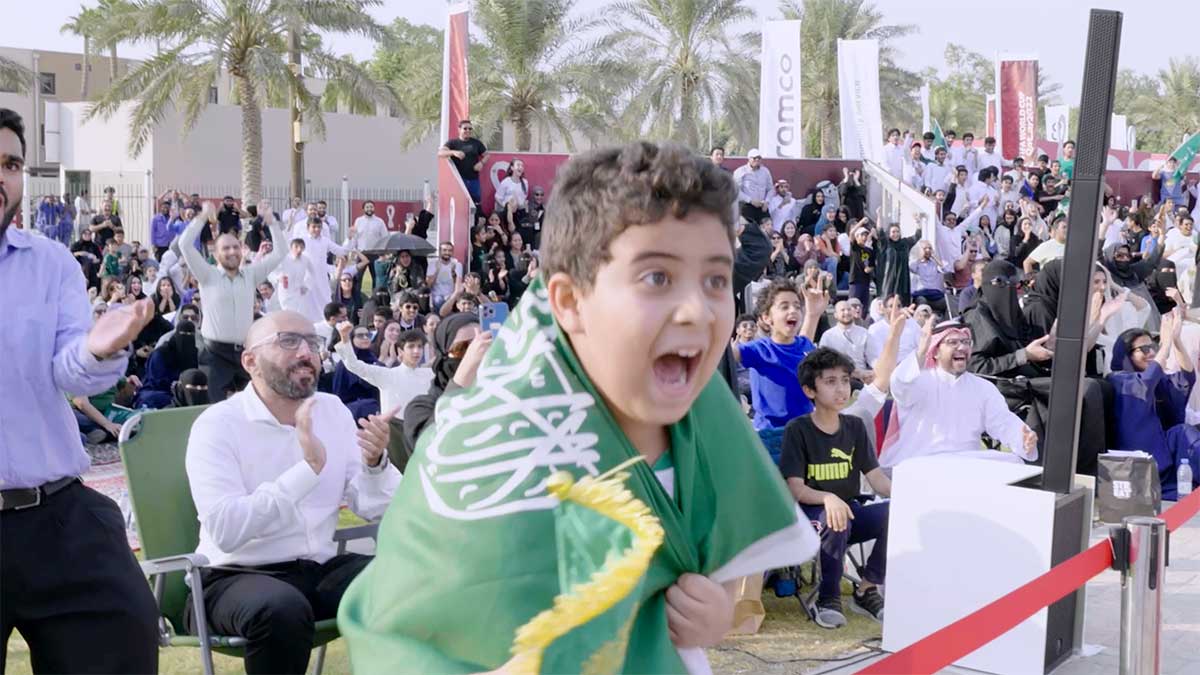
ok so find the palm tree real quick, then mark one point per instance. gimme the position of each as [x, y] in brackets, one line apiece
[823, 23]
[14, 77]
[247, 39]
[528, 76]
[683, 61]
[81, 25]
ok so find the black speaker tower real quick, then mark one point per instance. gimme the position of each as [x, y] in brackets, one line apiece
[1072, 517]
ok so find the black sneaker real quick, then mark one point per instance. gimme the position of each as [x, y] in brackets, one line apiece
[829, 614]
[868, 603]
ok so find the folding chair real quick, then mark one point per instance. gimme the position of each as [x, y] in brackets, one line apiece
[153, 447]
[852, 570]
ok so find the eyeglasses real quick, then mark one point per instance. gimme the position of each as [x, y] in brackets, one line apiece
[955, 343]
[413, 308]
[290, 341]
[1147, 350]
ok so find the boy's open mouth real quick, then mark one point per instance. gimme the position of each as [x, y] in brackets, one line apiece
[674, 370]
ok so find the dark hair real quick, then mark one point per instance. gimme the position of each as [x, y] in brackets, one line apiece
[766, 297]
[333, 309]
[1006, 177]
[322, 202]
[463, 123]
[950, 132]
[408, 298]
[599, 194]
[968, 135]
[384, 312]
[186, 307]
[744, 318]
[297, 240]
[893, 130]
[264, 282]
[11, 120]
[1070, 143]
[928, 136]
[410, 336]
[820, 360]
[368, 201]
[716, 148]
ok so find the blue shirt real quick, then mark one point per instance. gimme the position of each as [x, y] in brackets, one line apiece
[774, 388]
[161, 232]
[44, 339]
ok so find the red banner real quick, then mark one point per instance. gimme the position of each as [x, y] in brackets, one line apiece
[540, 169]
[1017, 107]
[392, 213]
[454, 203]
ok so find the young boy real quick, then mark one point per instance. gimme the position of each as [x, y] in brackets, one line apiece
[609, 356]
[824, 456]
[112, 261]
[772, 361]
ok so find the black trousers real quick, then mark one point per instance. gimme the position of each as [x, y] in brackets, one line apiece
[275, 607]
[222, 363]
[71, 586]
[753, 214]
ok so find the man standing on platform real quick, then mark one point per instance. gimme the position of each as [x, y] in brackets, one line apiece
[228, 294]
[467, 153]
[68, 581]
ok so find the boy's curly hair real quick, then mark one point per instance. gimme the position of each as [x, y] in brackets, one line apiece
[820, 360]
[766, 297]
[599, 194]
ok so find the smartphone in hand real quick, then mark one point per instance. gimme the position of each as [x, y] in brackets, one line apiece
[492, 316]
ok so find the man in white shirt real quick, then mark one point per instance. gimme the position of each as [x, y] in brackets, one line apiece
[989, 156]
[334, 313]
[318, 245]
[1017, 172]
[985, 188]
[398, 386]
[1050, 249]
[1007, 195]
[937, 174]
[893, 154]
[269, 469]
[949, 237]
[294, 213]
[444, 273]
[913, 171]
[753, 181]
[877, 334]
[850, 339]
[958, 196]
[368, 233]
[781, 205]
[941, 408]
[966, 154]
[329, 221]
[927, 149]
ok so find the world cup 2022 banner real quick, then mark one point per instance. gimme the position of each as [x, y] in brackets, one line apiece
[1017, 109]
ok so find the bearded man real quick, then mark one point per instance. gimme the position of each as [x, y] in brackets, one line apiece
[269, 468]
[228, 290]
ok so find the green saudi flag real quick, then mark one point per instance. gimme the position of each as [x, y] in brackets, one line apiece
[1185, 153]
[938, 139]
[469, 551]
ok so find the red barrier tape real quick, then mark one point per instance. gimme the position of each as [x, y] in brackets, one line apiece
[949, 644]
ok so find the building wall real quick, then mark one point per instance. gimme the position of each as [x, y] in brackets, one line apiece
[365, 149]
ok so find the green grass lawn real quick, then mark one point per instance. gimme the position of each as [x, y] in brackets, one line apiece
[787, 642]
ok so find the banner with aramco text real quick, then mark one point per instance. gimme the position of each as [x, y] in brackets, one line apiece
[779, 134]
[1017, 105]
[858, 95]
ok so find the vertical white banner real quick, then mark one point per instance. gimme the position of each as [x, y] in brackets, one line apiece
[925, 125]
[858, 98]
[1058, 123]
[1119, 133]
[779, 133]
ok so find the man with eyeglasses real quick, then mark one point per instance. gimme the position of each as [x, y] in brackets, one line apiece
[468, 154]
[269, 468]
[943, 409]
[228, 290]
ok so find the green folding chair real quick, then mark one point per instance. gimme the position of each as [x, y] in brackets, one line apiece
[153, 448]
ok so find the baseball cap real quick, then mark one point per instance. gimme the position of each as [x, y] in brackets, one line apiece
[753, 153]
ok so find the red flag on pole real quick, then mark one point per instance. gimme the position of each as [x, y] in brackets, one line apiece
[454, 202]
[1017, 107]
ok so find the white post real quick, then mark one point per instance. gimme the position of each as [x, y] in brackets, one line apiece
[151, 207]
[345, 208]
[26, 212]
[62, 180]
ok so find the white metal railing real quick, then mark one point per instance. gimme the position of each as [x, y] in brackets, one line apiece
[901, 202]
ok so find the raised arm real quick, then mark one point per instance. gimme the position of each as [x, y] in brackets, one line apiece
[197, 264]
[263, 267]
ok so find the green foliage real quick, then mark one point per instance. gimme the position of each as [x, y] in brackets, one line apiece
[959, 99]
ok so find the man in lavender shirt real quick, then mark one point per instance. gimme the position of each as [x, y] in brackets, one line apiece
[68, 581]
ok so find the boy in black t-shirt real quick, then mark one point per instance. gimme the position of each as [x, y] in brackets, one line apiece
[824, 455]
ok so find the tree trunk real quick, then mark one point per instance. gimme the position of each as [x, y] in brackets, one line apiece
[687, 112]
[87, 68]
[826, 129]
[523, 131]
[251, 140]
[112, 64]
[297, 149]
